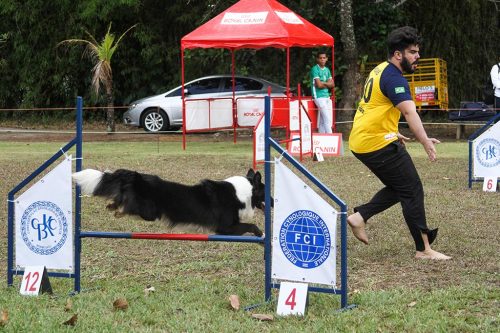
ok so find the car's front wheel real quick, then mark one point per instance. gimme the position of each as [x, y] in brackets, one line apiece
[155, 120]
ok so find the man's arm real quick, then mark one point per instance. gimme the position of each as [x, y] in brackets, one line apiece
[322, 85]
[409, 111]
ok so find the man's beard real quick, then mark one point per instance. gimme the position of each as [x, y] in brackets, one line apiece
[407, 67]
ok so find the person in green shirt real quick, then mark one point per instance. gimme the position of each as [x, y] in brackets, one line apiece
[321, 83]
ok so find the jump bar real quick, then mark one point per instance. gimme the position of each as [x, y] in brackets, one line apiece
[181, 237]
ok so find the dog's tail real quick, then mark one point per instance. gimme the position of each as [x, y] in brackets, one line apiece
[88, 180]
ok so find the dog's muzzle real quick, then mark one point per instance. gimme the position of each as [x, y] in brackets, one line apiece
[262, 205]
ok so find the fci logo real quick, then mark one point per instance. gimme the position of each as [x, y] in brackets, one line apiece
[44, 227]
[305, 239]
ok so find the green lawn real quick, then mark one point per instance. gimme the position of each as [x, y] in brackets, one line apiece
[193, 280]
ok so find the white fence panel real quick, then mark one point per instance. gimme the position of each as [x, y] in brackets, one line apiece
[249, 111]
[209, 114]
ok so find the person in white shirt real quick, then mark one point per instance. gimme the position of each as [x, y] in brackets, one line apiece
[495, 79]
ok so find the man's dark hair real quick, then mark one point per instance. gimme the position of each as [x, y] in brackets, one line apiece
[400, 38]
[320, 52]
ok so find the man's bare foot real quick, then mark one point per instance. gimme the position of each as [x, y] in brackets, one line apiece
[357, 225]
[431, 254]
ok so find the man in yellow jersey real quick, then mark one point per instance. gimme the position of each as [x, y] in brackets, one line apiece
[376, 142]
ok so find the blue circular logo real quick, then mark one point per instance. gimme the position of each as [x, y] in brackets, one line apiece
[44, 227]
[488, 152]
[305, 239]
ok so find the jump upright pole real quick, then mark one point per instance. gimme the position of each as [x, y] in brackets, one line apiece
[271, 143]
[267, 181]
[78, 198]
[76, 141]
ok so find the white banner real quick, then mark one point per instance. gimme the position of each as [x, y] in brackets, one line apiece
[304, 232]
[260, 140]
[197, 116]
[328, 144]
[294, 115]
[44, 223]
[289, 17]
[249, 110]
[207, 114]
[221, 113]
[244, 18]
[486, 153]
[305, 131]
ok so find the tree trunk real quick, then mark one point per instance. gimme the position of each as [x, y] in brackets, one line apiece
[351, 76]
[110, 112]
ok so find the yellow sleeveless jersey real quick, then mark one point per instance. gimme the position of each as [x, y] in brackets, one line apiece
[376, 120]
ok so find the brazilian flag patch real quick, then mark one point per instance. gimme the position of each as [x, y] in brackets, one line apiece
[399, 90]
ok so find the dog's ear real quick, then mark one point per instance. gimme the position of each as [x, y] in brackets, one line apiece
[257, 178]
[250, 173]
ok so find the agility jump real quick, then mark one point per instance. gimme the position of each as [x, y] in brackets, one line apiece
[267, 241]
[484, 153]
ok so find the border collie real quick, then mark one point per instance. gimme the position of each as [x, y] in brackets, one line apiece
[223, 207]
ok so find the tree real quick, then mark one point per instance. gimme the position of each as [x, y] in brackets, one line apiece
[3, 39]
[351, 76]
[101, 55]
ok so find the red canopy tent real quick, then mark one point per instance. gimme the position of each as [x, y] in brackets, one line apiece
[256, 24]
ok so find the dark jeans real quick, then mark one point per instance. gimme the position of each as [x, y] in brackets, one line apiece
[394, 167]
[497, 104]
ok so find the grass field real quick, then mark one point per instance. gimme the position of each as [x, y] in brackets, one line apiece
[193, 280]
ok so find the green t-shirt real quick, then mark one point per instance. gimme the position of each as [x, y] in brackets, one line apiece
[324, 75]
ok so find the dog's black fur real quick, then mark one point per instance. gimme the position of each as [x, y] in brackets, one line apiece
[210, 204]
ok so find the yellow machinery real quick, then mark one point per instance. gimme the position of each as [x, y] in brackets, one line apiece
[428, 85]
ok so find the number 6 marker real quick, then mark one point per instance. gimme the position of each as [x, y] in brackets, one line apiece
[490, 184]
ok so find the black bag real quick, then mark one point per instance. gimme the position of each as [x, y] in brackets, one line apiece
[472, 111]
[489, 89]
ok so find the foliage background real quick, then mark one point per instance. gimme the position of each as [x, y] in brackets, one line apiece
[36, 73]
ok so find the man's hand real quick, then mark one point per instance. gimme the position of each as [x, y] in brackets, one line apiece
[402, 139]
[430, 149]
[330, 84]
[409, 111]
[323, 84]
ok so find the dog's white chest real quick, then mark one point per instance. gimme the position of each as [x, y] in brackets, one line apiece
[246, 214]
[244, 193]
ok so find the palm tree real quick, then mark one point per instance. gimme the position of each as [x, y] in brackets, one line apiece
[100, 54]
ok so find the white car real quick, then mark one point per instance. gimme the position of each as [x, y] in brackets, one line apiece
[164, 111]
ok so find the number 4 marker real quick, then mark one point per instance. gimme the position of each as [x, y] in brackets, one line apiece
[35, 281]
[292, 299]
